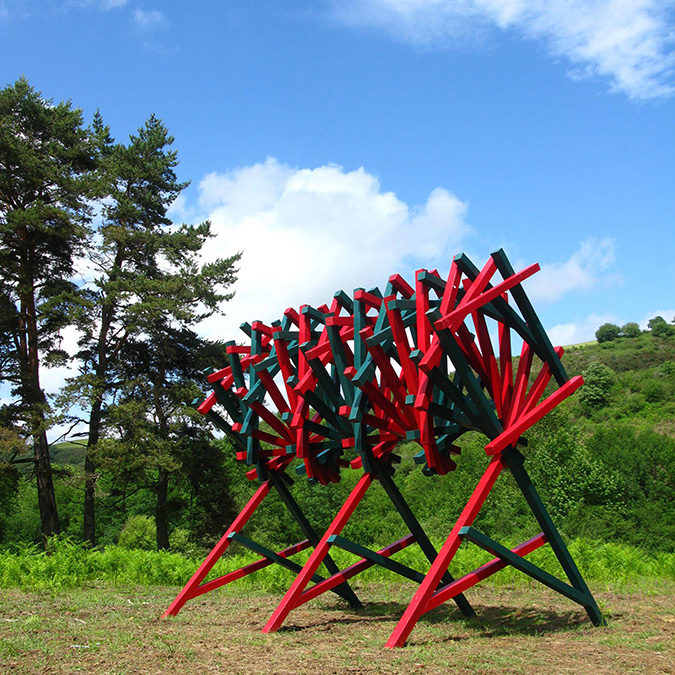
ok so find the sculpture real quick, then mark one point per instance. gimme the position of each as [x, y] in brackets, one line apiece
[367, 372]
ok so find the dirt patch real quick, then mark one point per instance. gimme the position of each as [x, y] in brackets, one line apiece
[518, 630]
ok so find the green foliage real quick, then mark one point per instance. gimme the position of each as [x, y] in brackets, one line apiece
[66, 564]
[47, 159]
[598, 381]
[659, 327]
[138, 532]
[607, 332]
[630, 330]
[655, 391]
[602, 462]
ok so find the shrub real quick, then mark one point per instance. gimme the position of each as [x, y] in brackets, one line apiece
[139, 532]
[667, 367]
[630, 330]
[655, 391]
[598, 379]
[179, 542]
[607, 332]
[659, 327]
[632, 403]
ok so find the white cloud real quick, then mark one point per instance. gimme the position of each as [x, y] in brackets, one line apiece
[306, 233]
[52, 379]
[149, 18]
[179, 210]
[588, 267]
[630, 42]
[579, 330]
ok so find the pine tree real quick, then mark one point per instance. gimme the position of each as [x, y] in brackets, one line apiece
[46, 163]
[161, 372]
[146, 275]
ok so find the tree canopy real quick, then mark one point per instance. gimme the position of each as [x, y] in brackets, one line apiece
[47, 159]
[86, 241]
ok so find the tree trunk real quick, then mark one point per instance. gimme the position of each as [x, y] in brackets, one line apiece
[107, 316]
[161, 516]
[89, 500]
[37, 403]
[49, 520]
[89, 521]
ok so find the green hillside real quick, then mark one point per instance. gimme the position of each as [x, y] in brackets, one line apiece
[68, 452]
[642, 390]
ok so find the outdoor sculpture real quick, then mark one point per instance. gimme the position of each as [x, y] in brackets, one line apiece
[367, 372]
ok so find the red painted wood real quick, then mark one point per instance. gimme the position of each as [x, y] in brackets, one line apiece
[493, 383]
[401, 286]
[246, 570]
[422, 324]
[513, 433]
[477, 286]
[449, 299]
[319, 553]
[351, 571]
[270, 418]
[454, 318]
[402, 345]
[506, 365]
[472, 578]
[207, 404]
[520, 385]
[418, 605]
[218, 550]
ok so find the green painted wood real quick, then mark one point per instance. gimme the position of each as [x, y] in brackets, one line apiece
[525, 566]
[450, 389]
[235, 408]
[344, 300]
[515, 462]
[219, 422]
[328, 412]
[542, 340]
[491, 426]
[270, 554]
[308, 531]
[377, 558]
[341, 363]
[418, 532]
[501, 307]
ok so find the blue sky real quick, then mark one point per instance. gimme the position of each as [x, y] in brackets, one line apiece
[336, 143]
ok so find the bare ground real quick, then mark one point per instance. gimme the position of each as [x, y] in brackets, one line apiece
[518, 630]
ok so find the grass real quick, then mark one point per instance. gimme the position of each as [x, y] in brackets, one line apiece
[82, 611]
[68, 452]
[70, 565]
[524, 629]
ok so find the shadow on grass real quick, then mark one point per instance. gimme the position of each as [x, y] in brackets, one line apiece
[491, 620]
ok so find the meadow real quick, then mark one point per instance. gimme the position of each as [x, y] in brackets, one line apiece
[73, 609]
[519, 628]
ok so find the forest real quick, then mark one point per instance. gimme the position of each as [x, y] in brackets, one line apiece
[86, 242]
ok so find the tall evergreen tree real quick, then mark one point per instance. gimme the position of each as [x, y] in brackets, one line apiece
[160, 371]
[145, 274]
[46, 163]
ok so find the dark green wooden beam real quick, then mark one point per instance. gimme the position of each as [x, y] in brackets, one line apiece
[306, 528]
[377, 558]
[515, 462]
[525, 566]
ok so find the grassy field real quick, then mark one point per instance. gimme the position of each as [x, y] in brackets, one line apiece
[519, 629]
